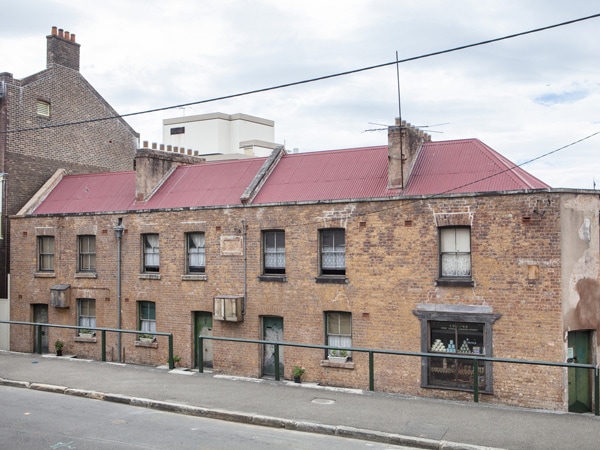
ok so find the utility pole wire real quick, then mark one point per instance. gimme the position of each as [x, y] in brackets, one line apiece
[311, 80]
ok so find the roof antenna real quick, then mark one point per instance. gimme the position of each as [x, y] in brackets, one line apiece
[400, 118]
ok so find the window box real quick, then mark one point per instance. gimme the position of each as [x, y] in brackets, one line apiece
[337, 359]
[332, 279]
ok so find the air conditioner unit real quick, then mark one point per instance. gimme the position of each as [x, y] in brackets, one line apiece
[229, 308]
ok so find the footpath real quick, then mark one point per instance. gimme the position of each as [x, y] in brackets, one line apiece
[393, 419]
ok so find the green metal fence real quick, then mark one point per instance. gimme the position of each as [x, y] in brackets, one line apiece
[103, 331]
[372, 352]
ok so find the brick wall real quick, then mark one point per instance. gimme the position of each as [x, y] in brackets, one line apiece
[392, 265]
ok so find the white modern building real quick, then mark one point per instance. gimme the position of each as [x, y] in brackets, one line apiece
[221, 134]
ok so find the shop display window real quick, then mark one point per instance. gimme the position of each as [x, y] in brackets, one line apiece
[455, 338]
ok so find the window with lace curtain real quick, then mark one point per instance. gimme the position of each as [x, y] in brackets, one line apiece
[274, 252]
[333, 251]
[455, 253]
[196, 253]
[151, 256]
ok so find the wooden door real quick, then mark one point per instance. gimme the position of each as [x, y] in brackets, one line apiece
[579, 379]
[203, 326]
[272, 331]
[40, 315]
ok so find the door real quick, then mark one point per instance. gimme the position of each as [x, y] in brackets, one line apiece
[40, 315]
[579, 379]
[203, 326]
[272, 331]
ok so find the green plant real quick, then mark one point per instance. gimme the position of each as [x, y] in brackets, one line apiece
[176, 359]
[58, 345]
[146, 336]
[333, 353]
[299, 371]
[85, 331]
[343, 353]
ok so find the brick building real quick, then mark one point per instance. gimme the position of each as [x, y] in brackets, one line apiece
[47, 122]
[416, 246]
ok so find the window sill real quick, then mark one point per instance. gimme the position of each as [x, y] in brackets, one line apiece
[44, 275]
[333, 279]
[457, 388]
[149, 276]
[274, 278]
[85, 339]
[194, 277]
[458, 282]
[86, 275]
[338, 365]
[146, 344]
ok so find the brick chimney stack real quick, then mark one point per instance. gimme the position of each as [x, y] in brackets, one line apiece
[404, 144]
[62, 49]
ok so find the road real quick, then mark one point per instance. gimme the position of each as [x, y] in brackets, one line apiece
[40, 420]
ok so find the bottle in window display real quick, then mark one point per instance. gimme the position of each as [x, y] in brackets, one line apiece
[464, 348]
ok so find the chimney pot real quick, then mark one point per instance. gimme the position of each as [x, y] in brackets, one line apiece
[145, 145]
[73, 37]
[54, 31]
[61, 33]
[67, 35]
[154, 146]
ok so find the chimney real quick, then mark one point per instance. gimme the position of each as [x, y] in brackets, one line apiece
[152, 168]
[404, 144]
[61, 49]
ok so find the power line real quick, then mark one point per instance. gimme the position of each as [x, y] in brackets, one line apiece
[311, 80]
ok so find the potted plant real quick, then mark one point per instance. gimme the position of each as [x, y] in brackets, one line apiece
[58, 346]
[86, 333]
[176, 360]
[147, 338]
[298, 372]
[338, 356]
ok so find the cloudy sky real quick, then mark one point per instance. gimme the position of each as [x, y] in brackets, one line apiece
[524, 97]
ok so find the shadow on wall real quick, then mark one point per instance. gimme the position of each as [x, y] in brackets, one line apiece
[587, 311]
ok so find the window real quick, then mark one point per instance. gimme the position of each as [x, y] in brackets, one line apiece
[333, 252]
[196, 253]
[151, 254]
[455, 337]
[177, 130]
[147, 317]
[456, 330]
[274, 252]
[42, 108]
[339, 330]
[455, 252]
[46, 253]
[87, 253]
[86, 312]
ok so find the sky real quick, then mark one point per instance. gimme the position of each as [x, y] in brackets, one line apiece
[524, 97]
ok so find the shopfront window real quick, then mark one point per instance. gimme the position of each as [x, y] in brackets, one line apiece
[455, 338]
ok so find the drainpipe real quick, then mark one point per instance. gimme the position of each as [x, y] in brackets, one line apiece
[245, 270]
[119, 233]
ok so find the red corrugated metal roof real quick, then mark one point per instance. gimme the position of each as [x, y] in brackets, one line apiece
[330, 175]
[95, 192]
[463, 166]
[442, 167]
[209, 184]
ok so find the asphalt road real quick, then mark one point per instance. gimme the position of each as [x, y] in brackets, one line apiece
[40, 420]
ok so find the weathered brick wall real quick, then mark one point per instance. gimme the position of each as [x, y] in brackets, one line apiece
[392, 265]
[30, 157]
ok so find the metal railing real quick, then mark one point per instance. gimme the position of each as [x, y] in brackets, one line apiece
[38, 335]
[371, 352]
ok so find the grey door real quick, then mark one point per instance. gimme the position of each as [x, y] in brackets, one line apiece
[203, 326]
[272, 331]
[40, 315]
